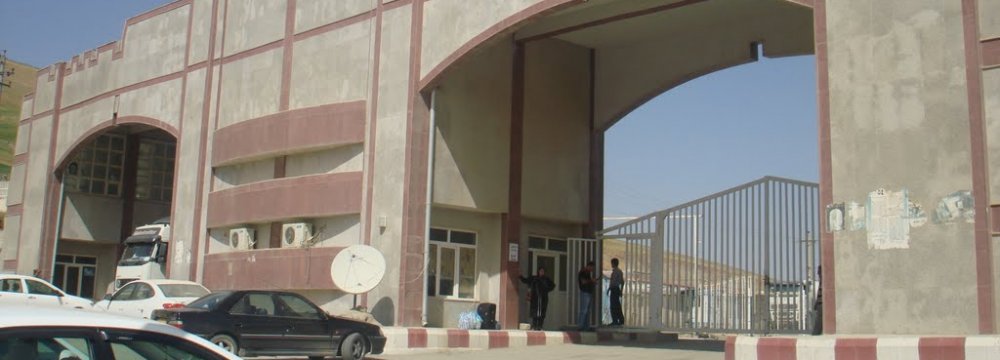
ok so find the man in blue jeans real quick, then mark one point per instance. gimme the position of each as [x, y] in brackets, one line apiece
[587, 282]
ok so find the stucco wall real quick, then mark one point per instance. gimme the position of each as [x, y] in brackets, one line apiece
[252, 88]
[989, 22]
[15, 191]
[74, 124]
[310, 14]
[34, 196]
[153, 47]
[245, 173]
[336, 160]
[201, 25]
[472, 132]
[991, 101]
[186, 174]
[252, 23]
[92, 218]
[556, 131]
[451, 25]
[21, 143]
[12, 232]
[899, 120]
[26, 107]
[390, 139]
[45, 90]
[332, 67]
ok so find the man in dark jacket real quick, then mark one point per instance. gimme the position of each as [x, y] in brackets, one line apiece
[539, 287]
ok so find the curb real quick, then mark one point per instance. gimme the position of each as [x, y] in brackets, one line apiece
[401, 340]
[860, 347]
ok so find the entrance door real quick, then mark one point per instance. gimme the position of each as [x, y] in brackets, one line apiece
[555, 269]
[75, 275]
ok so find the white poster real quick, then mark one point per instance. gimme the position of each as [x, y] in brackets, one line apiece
[888, 220]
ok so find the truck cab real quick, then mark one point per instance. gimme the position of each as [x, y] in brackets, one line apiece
[145, 255]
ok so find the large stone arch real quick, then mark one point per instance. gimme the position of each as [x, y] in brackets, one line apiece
[90, 134]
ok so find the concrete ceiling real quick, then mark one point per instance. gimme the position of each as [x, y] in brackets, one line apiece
[612, 22]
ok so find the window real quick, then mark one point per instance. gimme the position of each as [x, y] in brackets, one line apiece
[10, 285]
[452, 268]
[155, 173]
[254, 304]
[293, 306]
[182, 290]
[39, 288]
[125, 293]
[142, 292]
[46, 347]
[97, 169]
[140, 346]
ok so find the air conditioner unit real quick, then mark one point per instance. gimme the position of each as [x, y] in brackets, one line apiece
[295, 234]
[241, 238]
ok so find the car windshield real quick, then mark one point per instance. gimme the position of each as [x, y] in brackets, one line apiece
[183, 290]
[137, 253]
[210, 301]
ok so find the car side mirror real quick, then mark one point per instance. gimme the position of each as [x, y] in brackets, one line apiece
[106, 297]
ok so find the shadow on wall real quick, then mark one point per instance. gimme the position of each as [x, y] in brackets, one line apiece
[384, 311]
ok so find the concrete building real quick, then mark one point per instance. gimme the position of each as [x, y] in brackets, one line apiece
[444, 131]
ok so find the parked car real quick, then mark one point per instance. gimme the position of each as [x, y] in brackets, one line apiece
[33, 333]
[32, 291]
[139, 298]
[255, 323]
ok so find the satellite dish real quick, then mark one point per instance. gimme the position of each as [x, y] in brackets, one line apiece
[357, 269]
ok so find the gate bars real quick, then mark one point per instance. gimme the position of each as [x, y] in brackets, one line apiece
[739, 261]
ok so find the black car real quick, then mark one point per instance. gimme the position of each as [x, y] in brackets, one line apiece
[255, 323]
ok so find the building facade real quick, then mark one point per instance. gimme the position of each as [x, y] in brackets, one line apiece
[447, 133]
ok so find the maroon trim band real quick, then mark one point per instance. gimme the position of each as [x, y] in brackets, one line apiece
[829, 283]
[271, 269]
[286, 198]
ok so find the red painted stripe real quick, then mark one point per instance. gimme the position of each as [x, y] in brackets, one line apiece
[856, 349]
[730, 348]
[776, 349]
[416, 338]
[990, 53]
[499, 339]
[995, 221]
[934, 348]
[536, 338]
[458, 338]
[572, 337]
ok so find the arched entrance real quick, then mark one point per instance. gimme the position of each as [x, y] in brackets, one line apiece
[117, 177]
[519, 129]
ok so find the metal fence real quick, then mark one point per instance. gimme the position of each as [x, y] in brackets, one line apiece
[739, 261]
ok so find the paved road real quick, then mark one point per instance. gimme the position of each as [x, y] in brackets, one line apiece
[680, 350]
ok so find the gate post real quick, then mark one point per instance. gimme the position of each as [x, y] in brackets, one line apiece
[656, 275]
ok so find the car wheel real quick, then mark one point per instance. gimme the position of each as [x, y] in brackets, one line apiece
[353, 347]
[226, 342]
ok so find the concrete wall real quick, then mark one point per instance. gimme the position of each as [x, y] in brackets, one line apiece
[899, 121]
[310, 14]
[330, 161]
[390, 140]
[253, 23]
[252, 88]
[12, 232]
[472, 137]
[34, 196]
[92, 218]
[320, 66]
[15, 191]
[556, 131]
[989, 22]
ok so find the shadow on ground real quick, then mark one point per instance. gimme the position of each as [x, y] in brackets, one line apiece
[681, 344]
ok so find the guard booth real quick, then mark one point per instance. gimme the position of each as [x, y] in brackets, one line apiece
[743, 260]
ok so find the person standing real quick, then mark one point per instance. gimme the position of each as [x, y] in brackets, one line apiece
[539, 287]
[615, 287]
[586, 281]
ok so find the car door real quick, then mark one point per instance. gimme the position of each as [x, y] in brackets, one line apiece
[139, 303]
[12, 292]
[42, 294]
[257, 327]
[115, 304]
[308, 327]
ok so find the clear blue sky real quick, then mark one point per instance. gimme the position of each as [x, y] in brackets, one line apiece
[714, 132]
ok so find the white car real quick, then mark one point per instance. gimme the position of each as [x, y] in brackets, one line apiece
[32, 291]
[33, 333]
[139, 298]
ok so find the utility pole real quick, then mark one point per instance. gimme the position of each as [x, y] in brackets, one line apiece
[4, 73]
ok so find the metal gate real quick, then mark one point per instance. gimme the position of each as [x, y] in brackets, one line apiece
[739, 261]
[579, 253]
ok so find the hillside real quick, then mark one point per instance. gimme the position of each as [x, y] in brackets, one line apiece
[22, 82]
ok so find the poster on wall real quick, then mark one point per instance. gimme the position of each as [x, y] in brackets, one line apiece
[888, 220]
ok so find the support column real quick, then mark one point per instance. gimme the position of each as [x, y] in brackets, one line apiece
[511, 232]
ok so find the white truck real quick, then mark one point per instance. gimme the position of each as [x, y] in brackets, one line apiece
[145, 255]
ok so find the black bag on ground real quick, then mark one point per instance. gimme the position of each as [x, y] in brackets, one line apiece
[488, 312]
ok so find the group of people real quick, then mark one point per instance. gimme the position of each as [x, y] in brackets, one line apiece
[540, 285]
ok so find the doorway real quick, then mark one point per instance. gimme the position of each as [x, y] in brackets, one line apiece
[76, 275]
[550, 253]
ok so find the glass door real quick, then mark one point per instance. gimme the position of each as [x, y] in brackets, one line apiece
[75, 275]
